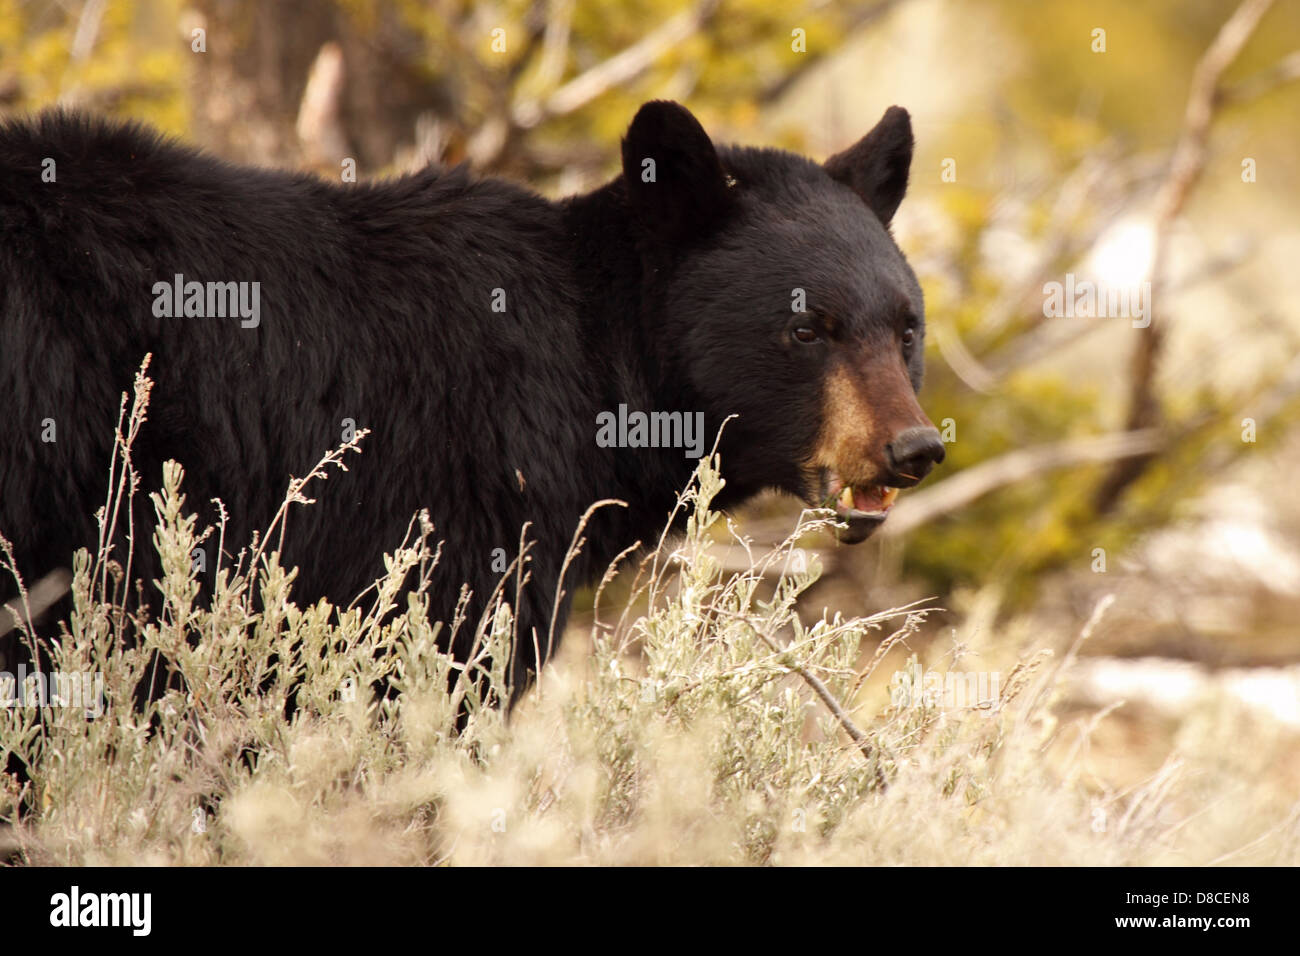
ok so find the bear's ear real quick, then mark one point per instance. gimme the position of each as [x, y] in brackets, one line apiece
[876, 166]
[675, 182]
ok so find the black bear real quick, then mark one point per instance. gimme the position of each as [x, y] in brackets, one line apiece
[515, 359]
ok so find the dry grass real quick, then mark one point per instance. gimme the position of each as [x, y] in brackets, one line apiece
[710, 726]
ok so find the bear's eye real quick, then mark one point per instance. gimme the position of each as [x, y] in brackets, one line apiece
[909, 339]
[805, 336]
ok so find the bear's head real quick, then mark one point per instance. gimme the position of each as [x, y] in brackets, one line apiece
[787, 304]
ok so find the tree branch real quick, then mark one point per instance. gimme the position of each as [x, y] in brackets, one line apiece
[1185, 169]
[617, 70]
[1285, 70]
[955, 493]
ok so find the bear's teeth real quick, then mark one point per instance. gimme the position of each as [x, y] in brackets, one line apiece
[888, 495]
[846, 498]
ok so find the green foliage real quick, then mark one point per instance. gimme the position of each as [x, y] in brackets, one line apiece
[136, 66]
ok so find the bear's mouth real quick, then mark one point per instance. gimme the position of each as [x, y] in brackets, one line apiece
[861, 508]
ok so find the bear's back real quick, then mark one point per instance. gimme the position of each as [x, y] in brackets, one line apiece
[434, 309]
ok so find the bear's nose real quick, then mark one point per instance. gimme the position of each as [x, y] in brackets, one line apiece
[913, 452]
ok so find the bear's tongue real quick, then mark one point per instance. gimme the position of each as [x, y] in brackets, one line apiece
[873, 499]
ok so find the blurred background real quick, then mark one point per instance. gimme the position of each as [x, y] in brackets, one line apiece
[1110, 142]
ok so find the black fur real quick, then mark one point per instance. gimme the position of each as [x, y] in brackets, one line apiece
[376, 306]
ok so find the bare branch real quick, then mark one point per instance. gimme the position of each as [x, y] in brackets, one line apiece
[1190, 153]
[320, 125]
[972, 483]
[860, 740]
[31, 604]
[1185, 171]
[617, 70]
[555, 43]
[83, 41]
[1285, 70]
